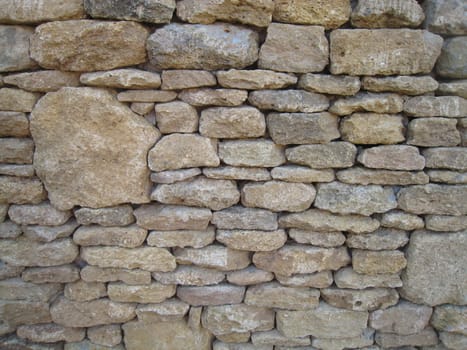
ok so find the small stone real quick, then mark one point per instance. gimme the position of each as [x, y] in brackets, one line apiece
[142, 108]
[190, 276]
[289, 100]
[294, 48]
[10, 230]
[250, 275]
[172, 176]
[425, 337]
[320, 239]
[445, 223]
[14, 313]
[321, 279]
[21, 190]
[237, 173]
[17, 170]
[43, 81]
[363, 176]
[372, 128]
[14, 124]
[213, 97]
[87, 345]
[111, 216]
[450, 318]
[381, 239]
[454, 87]
[369, 102]
[407, 85]
[16, 151]
[219, 345]
[258, 79]
[182, 238]
[387, 14]
[214, 257]
[146, 96]
[324, 221]
[242, 218]
[107, 335]
[278, 195]
[53, 274]
[294, 259]
[446, 158]
[17, 100]
[151, 293]
[145, 258]
[167, 311]
[251, 153]
[365, 340]
[252, 240]
[332, 155]
[392, 157]
[175, 117]
[122, 79]
[17, 289]
[232, 339]
[378, 262]
[132, 277]
[348, 278]
[84, 291]
[360, 300]
[197, 151]
[433, 132]
[400, 220]
[14, 44]
[367, 52]
[172, 217]
[129, 237]
[330, 84]
[91, 313]
[41, 214]
[436, 106]
[293, 173]
[50, 233]
[9, 271]
[451, 62]
[50, 333]
[453, 340]
[211, 47]
[219, 294]
[445, 17]
[186, 79]
[275, 338]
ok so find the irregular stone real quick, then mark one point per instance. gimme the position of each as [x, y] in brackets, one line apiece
[365, 340]
[425, 337]
[17, 170]
[154, 11]
[372, 128]
[251, 153]
[237, 173]
[24, 252]
[50, 333]
[132, 277]
[278, 196]
[332, 155]
[454, 87]
[14, 313]
[167, 311]
[3, 211]
[242, 218]
[453, 340]
[275, 338]
[172, 176]
[363, 176]
[436, 106]
[107, 335]
[214, 257]
[219, 294]
[292, 259]
[258, 13]
[366, 52]
[258, 79]
[50, 233]
[37, 11]
[325, 321]
[330, 14]
[329, 84]
[122, 79]
[321, 279]
[190, 276]
[14, 124]
[87, 345]
[445, 223]
[9, 271]
[407, 85]
[448, 177]
[294, 173]
[381, 239]
[289, 100]
[446, 158]
[211, 47]
[365, 101]
[151, 293]
[111, 216]
[42, 81]
[53, 274]
[17, 100]
[451, 62]
[433, 132]
[387, 14]
[250, 275]
[226, 319]
[348, 278]
[232, 339]
[182, 238]
[324, 221]
[252, 240]
[10, 230]
[392, 157]
[12, 341]
[176, 117]
[129, 237]
[294, 48]
[90, 313]
[450, 318]
[433, 199]
[360, 300]
[84, 291]
[197, 151]
[213, 97]
[62, 141]
[219, 345]
[378, 262]
[142, 108]
[445, 17]
[17, 289]
[40, 214]
[172, 217]
[437, 280]
[16, 151]
[15, 47]
[146, 96]
[21, 190]
[186, 79]
[320, 239]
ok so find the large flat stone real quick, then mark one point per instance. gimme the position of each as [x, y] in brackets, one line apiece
[14, 44]
[403, 84]
[43, 81]
[453, 158]
[214, 257]
[364, 176]
[187, 275]
[22, 312]
[252, 240]
[220, 294]
[378, 262]
[242, 218]
[360, 300]
[182, 238]
[37, 11]
[372, 128]
[331, 155]
[256, 79]
[129, 237]
[251, 153]
[122, 79]
[150, 293]
[41, 214]
[436, 106]
[392, 157]
[433, 132]
[21, 190]
[348, 278]
[451, 63]
[330, 84]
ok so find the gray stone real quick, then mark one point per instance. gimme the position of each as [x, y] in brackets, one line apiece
[257, 79]
[252, 240]
[237, 173]
[87, 345]
[369, 102]
[320, 239]
[172, 176]
[41, 214]
[14, 44]
[24, 170]
[213, 97]
[378, 262]
[176, 116]
[50, 333]
[43, 81]
[453, 340]
[18, 312]
[181, 238]
[53, 274]
[363, 176]
[360, 300]
[433, 132]
[10, 230]
[251, 153]
[14, 124]
[450, 318]
[289, 100]
[425, 337]
[169, 310]
[445, 223]
[446, 17]
[111, 216]
[122, 79]
[242, 218]
[16, 151]
[348, 278]
[294, 173]
[321, 279]
[392, 157]
[330, 84]
[372, 128]
[407, 85]
[84, 291]
[248, 276]
[381, 239]
[219, 345]
[436, 106]
[186, 79]
[365, 340]
[219, 294]
[332, 155]
[146, 96]
[17, 289]
[151, 293]
[128, 237]
[50, 233]
[17, 100]
[106, 335]
[275, 338]
[9, 271]
[190, 276]
[214, 257]
[454, 87]
[132, 277]
[454, 158]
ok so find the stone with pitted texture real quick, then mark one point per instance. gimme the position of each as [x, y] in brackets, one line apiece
[21, 190]
[378, 262]
[408, 85]
[445, 17]
[50, 333]
[242, 218]
[14, 44]
[392, 157]
[43, 81]
[251, 153]
[433, 132]
[331, 155]
[330, 84]
[348, 278]
[150, 293]
[219, 294]
[252, 240]
[257, 79]
[360, 300]
[181, 238]
[187, 275]
[122, 79]
[436, 106]
[213, 97]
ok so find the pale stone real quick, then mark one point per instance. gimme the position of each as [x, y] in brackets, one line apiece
[325, 321]
[237, 173]
[372, 128]
[73, 167]
[37, 11]
[436, 106]
[423, 338]
[360, 300]
[446, 158]
[433, 199]
[387, 14]
[368, 52]
[16, 150]
[14, 44]
[219, 294]
[435, 269]
[320, 239]
[365, 340]
[196, 150]
[251, 153]
[256, 13]
[330, 84]
[176, 117]
[446, 17]
[169, 310]
[445, 223]
[84, 291]
[321, 279]
[50, 233]
[186, 79]
[278, 195]
[90, 313]
[450, 318]
[153, 11]
[332, 155]
[25, 170]
[392, 157]
[43, 81]
[231, 123]
[190, 276]
[129, 237]
[242, 218]
[182, 238]
[232, 339]
[171, 217]
[378, 262]
[257, 79]
[87, 345]
[363, 176]
[294, 48]
[145, 258]
[226, 319]
[252, 240]
[275, 338]
[151, 293]
[454, 87]
[324, 221]
[433, 132]
[111, 216]
[17, 289]
[381, 239]
[14, 313]
[107, 335]
[348, 278]
[369, 102]
[330, 14]
[453, 340]
[250, 275]
[53, 274]
[131, 277]
[40, 214]
[294, 173]
[122, 79]
[13, 342]
[172, 176]
[142, 108]
[10, 230]
[21, 190]
[9, 271]
[407, 85]
[14, 124]
[219, 345]
[451, 62]
[292, 259]
[198, 46]
[146, 96]
[214, 257]
[289, 100]
[50, 333]
[24, 252]
[17, 100]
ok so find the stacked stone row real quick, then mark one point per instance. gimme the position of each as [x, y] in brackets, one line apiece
[233, 175]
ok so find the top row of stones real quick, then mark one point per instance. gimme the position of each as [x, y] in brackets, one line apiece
[442, 17]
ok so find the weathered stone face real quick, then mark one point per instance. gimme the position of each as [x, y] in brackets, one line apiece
[378, 262]
[348, 278]
[445, 17]
[450, 318]
[330, 84]
[446, 158]
[439, 106]
[254, 79]
[213, 97]
[21, 190]
[50, 333]
[122, 79]
[182, 238]
[14, 44]
[321, 279]
[252, 240]
[17, 100]
[16, 151]
[294, 173]
[321, 239]
[22, 312]
[151, 293]
[53, 274]
[186, 79]
[251, 153]
[242, 218]
[425, 337]
[176, 117]
[368, 102]
[433, 132]
[14, 124]
[382, 239]
[409, 85]
[363, 176]
[219, 294]
[131, 277]
[84, 291]
[107, 335]
[128, 237]
[332, 155]
[214, 257]
[360, 300]
[393, 157]
[187, 275]
[110, 216]
[289, 100]
[37, 11]
[43, 81]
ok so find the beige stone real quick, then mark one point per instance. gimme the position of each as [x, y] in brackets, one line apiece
[106, 335]
[450, 318]
[146, 96]
[446, 158]
[16, 150]
[10, 230]
[454, 87]
[407, 85]
[186, 79]
[87, 345]
[17, 289]
[258, 79]
[348, 278]
[43, 81]
[237, 173]
[364, 340]
[453, 340]
[248, 276]
[445, 223]
[251, 153]
[122, 79]
[150, 293]
[368, 102]
[439, 106]
[294, 173]
[172, 176]
[294, 259]
[360, 300]
[14, 46]
[40, 214]
[84, 291]
[381, 239]
[142, 108]
[320, 239]
[294, 48]
[196, 150]
[175, 117]
[275, 338]
[88, 45]
[433, 132]
[37, 11]
[9, 271]
[372, 128]
[332, 155]
[214, 257]
[25, 170]
[378, 262]
[289, 100]
[445, 17]
[321, 279]
[213, 97]
[187, 275]
[53, 274]
[392, 157]
[448, 177]
[330, 84]
[423, 338]
[181, 238]
[14, 124]
[242, 218]
[219, 294]
[21, 190]
[219, 345]
[233, 338]
[15, 313]
[169, 310]
[17, 100]
[363, 176]
[50, 233]
[111, 216]
[367, 52]
[252, 240]
[132, 277]
[50, 333]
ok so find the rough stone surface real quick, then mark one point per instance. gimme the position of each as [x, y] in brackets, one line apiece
[186, 275]
[19, 312]
[365, 340]
[50, 333]
[293, 48]
[111, 216]
[378, 262]
[251, 153]
[436, 106]
[9, 271]
[348, 278]
[237, 173]
[381, 239]
[151, 293]
[294, 173]
[213, 46]
[214, 257]
[14, 124]
[219, 294]
[122, 79]
[445, 223]
[146, 96]
[175, 117]
[379, 103]
[408, 85]
[16, 151]
[172, 176]
[252, 240]
[17, 100]
[182, 238]
[289, 100]
[87, 45]
[21, 190]
[43, 81]
[258, 79]
[250, 275]
[17, 289]
[41, 214]
[445, 17]
[107, 335]
[446, 158]
[363, 176]
[321, 239]
[53, 274]
[169, 310]
[87, 345]
[14, 43]
[84, 291]
[360, 300]
[329, 84]
[50, 233]
[132, 277]
[423, 338]
[453, 340]
[433, 132]
[242, 218]
[128, 237]
[451, 63]
[321, 279]
[332, 155]
[372, 128]
[213, 97]
[25, 170]
[277, 339]
[392, 157]
[186, 79]
[450, 318]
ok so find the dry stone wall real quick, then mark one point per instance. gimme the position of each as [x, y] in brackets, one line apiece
[233, 175]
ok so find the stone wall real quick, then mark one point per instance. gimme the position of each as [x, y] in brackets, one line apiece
[233, 175]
